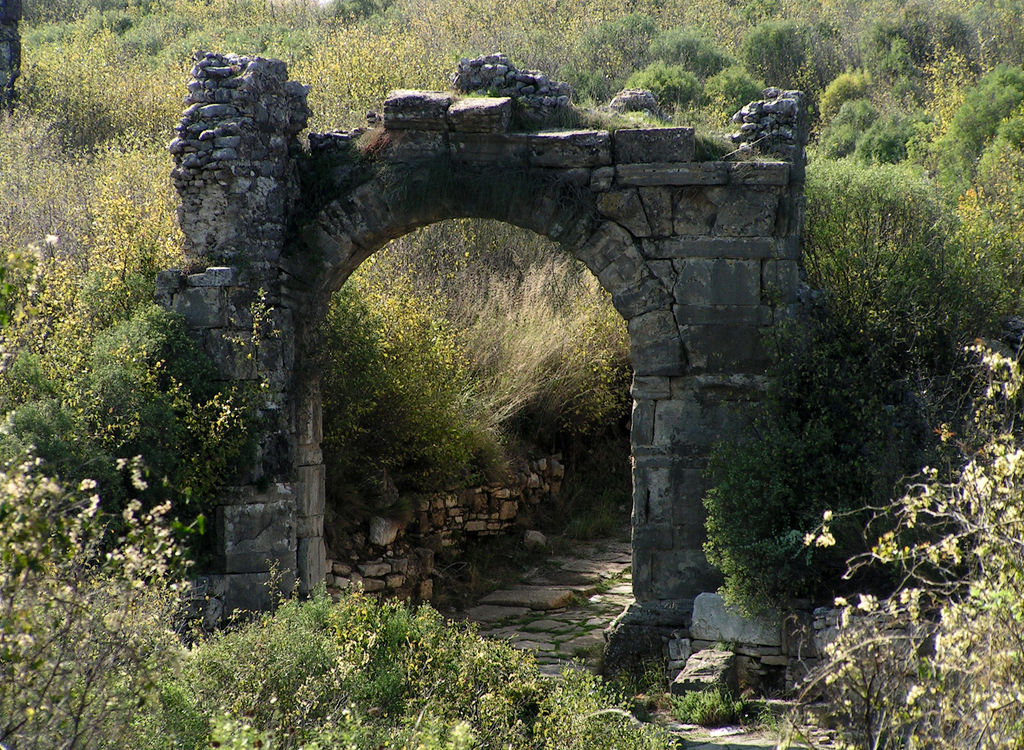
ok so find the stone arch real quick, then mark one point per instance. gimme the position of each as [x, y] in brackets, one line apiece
[699, 257]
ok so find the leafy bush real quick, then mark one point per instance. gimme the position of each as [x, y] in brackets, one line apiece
[397, 394]
[671, 85]
[608, 53]
[83, 615]
[854, 118]
[856, 385]
[713, 707]
[691, 51]
[885, 141]
[730, 90]
[853, 84]
[937, 663]
[775, 51]
[995, 98]
[364, 674]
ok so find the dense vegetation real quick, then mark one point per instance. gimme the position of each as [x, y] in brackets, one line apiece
[914, 239]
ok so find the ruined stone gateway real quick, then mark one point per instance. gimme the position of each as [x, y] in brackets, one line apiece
[700, 257]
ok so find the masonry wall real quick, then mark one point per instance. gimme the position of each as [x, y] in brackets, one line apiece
[699, 257]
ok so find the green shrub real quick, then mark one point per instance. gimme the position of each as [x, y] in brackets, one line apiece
[397, 394]
[885, 141]
[609, 53]
[713, 707]
[775, 52]
[730, 90]
[85, 613]
[671, 85]
[995, 98]
[856, 386]
[854, 118]
[690, 50]
[853, 84]
[364, 674]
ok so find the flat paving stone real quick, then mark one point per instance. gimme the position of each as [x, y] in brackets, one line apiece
[547, 626]
[532, 597]
[583, 642]
[494, 613]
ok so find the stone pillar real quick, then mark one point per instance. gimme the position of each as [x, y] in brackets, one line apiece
[10, 51]
[235, 173]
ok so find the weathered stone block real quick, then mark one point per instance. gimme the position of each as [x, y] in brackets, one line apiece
[384, 531]
[673, 173]
[489, 148]
[624, 206]
[420, 110]
[710, 247]
[579, 148]
[413, 146]
[202, 307]
[604, 245]
[253, 592]
[713, 281]
[655, 345]
[641, 430]
[650, 387]
[256, 535]
[707, 669]
[215, 276]
[657, 203]
[751, 213]
[712, 621]
[724, 348]
[645, 145]
[307, 526]
[780, 280]
[312, 562]
[759, 315]
[480, 114]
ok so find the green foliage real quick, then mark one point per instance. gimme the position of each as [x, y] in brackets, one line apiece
[729, 90]
[996, 97]
[671, 85]
[775, 51]
[855, 385]
[900, 47]
[840, 137]
[608, 53]
[938, 663]
[146, 390]
[853, 84]
[83, 614]
[690, 50]
[713, 707]
[885, 141]
[396, 391]
[364, 674]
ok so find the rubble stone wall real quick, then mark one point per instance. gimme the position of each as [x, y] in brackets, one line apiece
[699, 257]
[395, 556]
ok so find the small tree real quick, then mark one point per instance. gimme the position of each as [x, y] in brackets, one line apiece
[81, 618]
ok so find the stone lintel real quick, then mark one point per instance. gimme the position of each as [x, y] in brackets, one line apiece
[673, 173]
[419, 110]
[570, 148]
[647, 145]
[759, 173]
[509, 149]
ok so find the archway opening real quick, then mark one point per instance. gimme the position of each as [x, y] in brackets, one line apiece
[475, 384]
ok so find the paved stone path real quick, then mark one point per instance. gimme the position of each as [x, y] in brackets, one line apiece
[560, 609]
